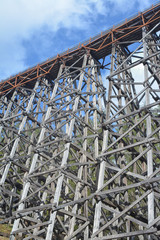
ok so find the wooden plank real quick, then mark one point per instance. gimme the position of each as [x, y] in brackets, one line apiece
[149, 140]
[124, 235]
[73, 215]
[25, 229]
[144, 183]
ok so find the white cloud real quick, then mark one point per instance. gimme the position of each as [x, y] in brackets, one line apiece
[21, 19]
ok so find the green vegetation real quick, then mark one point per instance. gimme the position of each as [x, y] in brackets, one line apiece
[5, 230]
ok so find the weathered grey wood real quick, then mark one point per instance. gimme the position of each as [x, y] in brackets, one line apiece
[121, 189]
[121, 213]
[39, 189]
[127, 147]
[27, 185]
[125, 133]
[8, 108]
[156, 220]
[77, 231]
[31, 236]
[72, 214]
[149, 131]
[126, 217]
[64, 160]
[135, 175]
[124, 169]
[124, 235]
[105, 143]
[17, 140]
[31, 227]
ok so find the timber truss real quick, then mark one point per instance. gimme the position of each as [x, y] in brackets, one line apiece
[80, 152]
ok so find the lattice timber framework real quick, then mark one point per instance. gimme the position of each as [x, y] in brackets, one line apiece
[80, 140]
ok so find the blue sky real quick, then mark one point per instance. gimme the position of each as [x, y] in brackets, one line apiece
[33, 30]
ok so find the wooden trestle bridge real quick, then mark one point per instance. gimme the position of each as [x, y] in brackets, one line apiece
[80, 139]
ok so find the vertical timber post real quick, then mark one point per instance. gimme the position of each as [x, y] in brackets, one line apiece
[105, 143]
[149, 131]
